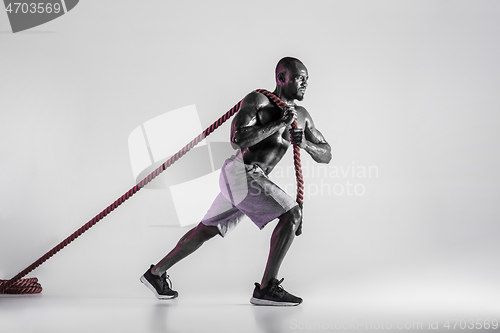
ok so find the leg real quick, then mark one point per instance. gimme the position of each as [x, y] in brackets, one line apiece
[189, 243]
[281, 239]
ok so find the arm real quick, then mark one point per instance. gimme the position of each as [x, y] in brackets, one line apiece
[246, 130]
[312, 141]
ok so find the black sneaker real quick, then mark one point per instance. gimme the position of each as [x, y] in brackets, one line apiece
[160, 285]
[273, 294]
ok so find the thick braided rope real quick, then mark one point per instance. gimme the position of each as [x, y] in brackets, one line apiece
[10, 285]
[17, 285]
[296, 155]
[23, 286]
[296, 149]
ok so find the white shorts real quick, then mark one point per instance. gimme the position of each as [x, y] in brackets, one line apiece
[246, 190]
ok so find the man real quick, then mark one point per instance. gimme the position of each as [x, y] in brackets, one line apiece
[261, 133]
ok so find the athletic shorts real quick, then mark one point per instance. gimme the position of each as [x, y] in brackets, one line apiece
[246, 190]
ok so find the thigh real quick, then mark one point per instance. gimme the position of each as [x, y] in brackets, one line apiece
[223, 215]
[265, 201]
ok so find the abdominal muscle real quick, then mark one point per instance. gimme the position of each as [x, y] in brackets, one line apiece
[267, 153]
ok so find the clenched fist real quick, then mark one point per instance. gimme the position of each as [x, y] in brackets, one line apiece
[297, 137]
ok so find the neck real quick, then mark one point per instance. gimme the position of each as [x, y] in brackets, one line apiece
[278, 92]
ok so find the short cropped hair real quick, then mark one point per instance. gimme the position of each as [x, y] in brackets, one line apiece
[285, 64]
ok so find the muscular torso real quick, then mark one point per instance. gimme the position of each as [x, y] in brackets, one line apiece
[268, 152]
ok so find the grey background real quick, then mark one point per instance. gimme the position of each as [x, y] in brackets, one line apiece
[410, 87]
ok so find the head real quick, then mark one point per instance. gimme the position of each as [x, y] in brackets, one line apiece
[291, 78]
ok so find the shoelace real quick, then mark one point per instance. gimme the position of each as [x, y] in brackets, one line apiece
[277, 289]
[165, 279]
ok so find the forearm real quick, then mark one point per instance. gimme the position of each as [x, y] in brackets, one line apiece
[248, 136]
[320, 152]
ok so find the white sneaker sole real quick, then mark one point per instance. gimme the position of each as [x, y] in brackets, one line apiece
[147, 284]
[258, 301]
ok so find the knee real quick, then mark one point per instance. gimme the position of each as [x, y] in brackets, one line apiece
[207, 232]
[293, 217]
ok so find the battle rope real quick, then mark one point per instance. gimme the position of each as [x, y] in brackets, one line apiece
[23, 286]
[296, 156]
[17, 285]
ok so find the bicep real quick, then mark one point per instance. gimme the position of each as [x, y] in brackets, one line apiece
[311, 133]
[247, 115]
[245, 118]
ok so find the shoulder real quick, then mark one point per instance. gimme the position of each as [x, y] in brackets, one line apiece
[303, 113]
[302, 110]
[306, 119]
[255, 100]
[250, 107]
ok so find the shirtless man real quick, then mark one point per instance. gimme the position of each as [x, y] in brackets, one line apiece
[261, 133]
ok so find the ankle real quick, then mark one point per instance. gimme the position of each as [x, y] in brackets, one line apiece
[265, 283]
[156, 272]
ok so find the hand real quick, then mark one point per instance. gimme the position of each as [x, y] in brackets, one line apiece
[297, 137]
[289, 114]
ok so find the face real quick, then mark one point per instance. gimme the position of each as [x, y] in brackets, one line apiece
[296, 81]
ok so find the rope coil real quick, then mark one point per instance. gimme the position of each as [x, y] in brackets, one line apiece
[17, 285]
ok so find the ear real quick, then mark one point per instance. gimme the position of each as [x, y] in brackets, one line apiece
[282, 77]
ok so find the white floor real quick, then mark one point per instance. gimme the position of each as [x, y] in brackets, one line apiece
[440, 296]
[350, 311]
